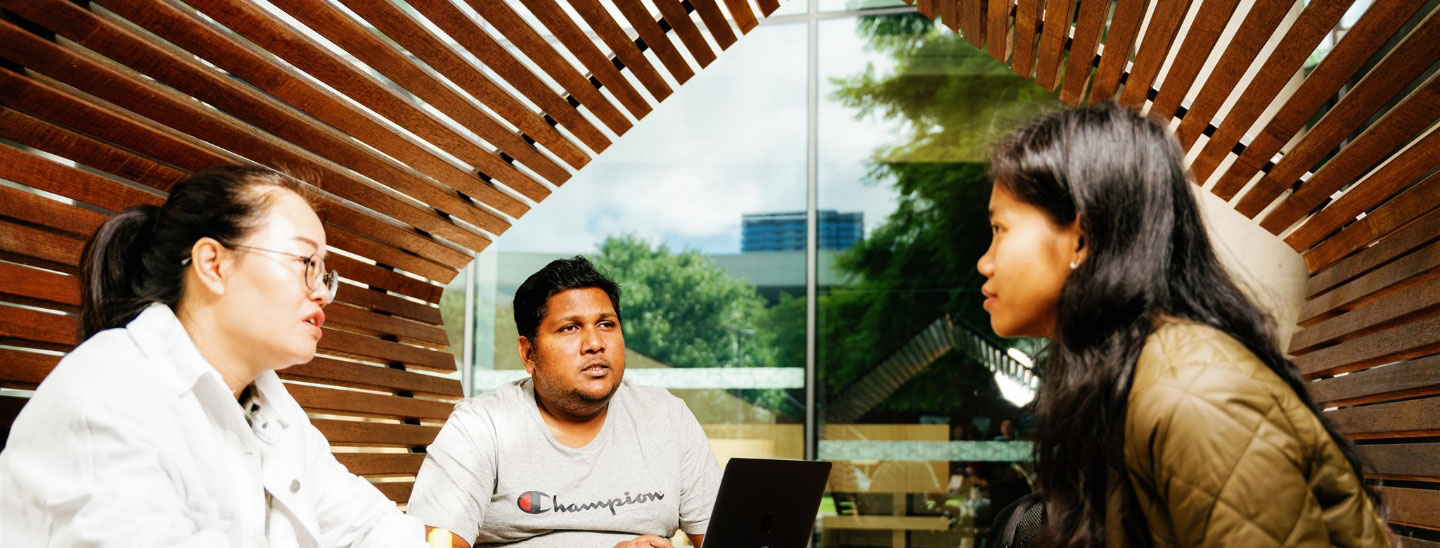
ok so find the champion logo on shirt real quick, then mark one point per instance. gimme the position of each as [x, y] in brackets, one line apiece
[533, 502]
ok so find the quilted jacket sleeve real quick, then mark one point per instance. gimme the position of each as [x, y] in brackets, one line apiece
[1216, 450]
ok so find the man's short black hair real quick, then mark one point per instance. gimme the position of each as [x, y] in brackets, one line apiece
[560, 275]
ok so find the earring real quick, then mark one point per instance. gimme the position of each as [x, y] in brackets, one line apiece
[1074, 265]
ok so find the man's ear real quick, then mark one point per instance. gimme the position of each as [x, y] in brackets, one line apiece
[526, 349]
[211, 265]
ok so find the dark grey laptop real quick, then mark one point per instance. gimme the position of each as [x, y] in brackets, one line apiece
[767, 503]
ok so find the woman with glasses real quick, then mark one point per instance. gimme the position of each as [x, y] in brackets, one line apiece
[167, 426]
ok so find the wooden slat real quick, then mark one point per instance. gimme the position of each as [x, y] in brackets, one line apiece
[496, 57]
[1314, 23]
[1403, 419]
[41, 135]
[343, 432]
[1401, 342]
[1395, 245]
[1412, 542]
[928, 8]
[1052, 41]
[405, 238]
[364, 320]
[53, 250]
[1403, 169]
[1160, 34]
[1380, 223]
[363, 403]
[1398, 307]
[768, 7]
[1088, 27]
[376, 53]
[1412, 269]
[381, 464]
[949, 14]
[397, 491]
[389, 304]
[509, 23]
[600, 67]
[740, 12]
[432, 49]
[23, 324]
[715, 22]
[38, 210]
[382, 278]
[40, 285]
[1415, 507]
[638, 16]
[1380, 22]
[177, 111]
[1391, 132]
[1418, 377]
[382, 253]
[25, 368]
[267, 31]
[350, 344]
[675, 14]
[1410, 461]
[997, 30]
[1200, 38]
[623, 48]
[972, 13]
[1027, 21]
[1119, 40]
[358, 375]
[51, 176]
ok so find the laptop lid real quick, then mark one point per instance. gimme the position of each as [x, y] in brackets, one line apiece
[767, 503]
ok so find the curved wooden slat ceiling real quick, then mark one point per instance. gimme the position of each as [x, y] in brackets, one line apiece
[431, 126]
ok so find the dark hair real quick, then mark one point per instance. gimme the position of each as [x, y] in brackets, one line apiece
[137, 257]
[560, 275]
[1149, 254]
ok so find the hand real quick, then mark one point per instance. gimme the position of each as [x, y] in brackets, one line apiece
[645, 541]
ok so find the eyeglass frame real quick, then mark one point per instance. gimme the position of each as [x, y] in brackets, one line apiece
[330, 277]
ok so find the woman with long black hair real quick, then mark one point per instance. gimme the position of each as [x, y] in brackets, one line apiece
[1168, 414]
[167, 426]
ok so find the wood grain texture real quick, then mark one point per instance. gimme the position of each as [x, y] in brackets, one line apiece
[1403, 419]
[1200, 39]
[1412, 339]
[1410, 269]
[372, 377]
[349, 402]
[1418, 377]
[1421, 200]
[1380, 22]
[1089, 24]
[1415, 235]
[1119, 41]
[1165, 22]
[1398, 307]
[1058, 14]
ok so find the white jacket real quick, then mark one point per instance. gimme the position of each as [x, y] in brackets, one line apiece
[134, 440]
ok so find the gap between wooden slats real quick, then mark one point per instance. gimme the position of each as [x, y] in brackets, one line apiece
[1210, 20]
[1391, 132]
[1396, 174]
[1420, 200]
[1412, 339]
[1287, 58]
[1401, 306]
[1410, 269]
[655, 39]
[598, 18]
[578, 43]
[1165, 23]
[685, 28]
[715, 22]
[381, 464]
[1381, 21]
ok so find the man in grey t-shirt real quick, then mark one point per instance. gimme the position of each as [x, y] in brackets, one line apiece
[572, 457]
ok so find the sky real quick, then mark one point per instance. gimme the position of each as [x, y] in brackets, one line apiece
[728, 142]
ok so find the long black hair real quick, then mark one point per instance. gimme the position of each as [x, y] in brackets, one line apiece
[1122, 177]
[137, 257]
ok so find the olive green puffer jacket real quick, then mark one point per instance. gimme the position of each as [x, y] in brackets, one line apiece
[1220, 452]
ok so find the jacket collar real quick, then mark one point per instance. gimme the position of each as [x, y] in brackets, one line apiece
[159, 334]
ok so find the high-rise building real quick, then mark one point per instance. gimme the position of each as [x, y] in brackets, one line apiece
[785, 231]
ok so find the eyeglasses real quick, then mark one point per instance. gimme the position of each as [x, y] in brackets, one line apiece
[315, 271]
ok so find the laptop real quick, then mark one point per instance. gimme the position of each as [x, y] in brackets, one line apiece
[767, 503]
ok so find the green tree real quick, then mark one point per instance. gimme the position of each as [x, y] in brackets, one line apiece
[682, 309]
[919, 264]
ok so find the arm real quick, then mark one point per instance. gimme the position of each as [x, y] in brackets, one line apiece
[700, 475]
[349, 509]
[1225, 461]
[454, 484]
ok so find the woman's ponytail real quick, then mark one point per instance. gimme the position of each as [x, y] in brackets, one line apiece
[111, 269]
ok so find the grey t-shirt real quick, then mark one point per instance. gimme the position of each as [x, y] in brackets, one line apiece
[497, 477]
